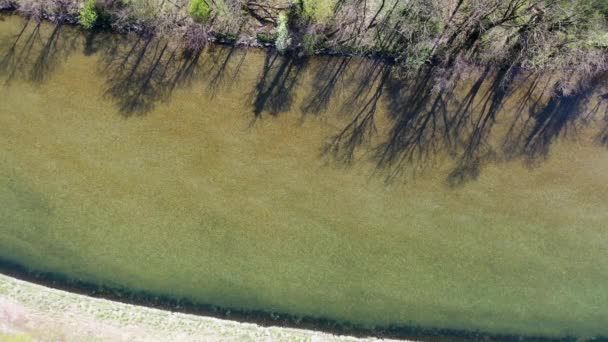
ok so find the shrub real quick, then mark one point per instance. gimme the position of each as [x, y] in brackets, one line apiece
[282, 42]
[88, 15]
[599, 40]
[309, 42]
[195, 37]
[319, 11]
[199, 10]
[265, 38]
[602, 7]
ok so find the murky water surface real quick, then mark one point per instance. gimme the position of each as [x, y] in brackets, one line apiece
[322, 187]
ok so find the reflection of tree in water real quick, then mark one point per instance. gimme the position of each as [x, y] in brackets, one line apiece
[35, 52]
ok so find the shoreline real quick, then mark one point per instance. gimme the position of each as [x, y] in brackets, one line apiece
[255, 42]
[263, 319]
[30, 311]
[213, 38]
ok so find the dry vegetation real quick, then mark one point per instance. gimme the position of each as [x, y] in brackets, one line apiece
[450, 35]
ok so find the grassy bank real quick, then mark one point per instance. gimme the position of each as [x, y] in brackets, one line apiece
[30, 312]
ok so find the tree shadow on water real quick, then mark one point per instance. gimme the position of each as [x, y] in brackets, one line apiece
[361, 106]
[36, 51]
[457, 120]
[602, 136]
[475, 149]
[418, 129]
[105, 43]
[12, 58]
[145, 72]
[46, 60]
[326, 81]
[427, 117]
[414, 110]
[224, 67]
[273, 92]
[555, 118]
[562, 115]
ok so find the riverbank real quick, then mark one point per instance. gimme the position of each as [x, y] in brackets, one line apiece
[538, 36]
[17, 281]
[30, 312]
[259, 40]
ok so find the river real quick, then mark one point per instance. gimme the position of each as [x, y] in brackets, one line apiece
[322, 187]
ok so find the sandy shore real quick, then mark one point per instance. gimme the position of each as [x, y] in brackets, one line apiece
[33, 312]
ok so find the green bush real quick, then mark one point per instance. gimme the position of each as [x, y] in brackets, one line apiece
[309, 42]
[282, 42]
[88, 15]
[602, 7]
[319, 11]
[598, 40]
[265, 38]
[199, 10]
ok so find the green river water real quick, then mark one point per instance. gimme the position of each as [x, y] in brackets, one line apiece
[320, 187]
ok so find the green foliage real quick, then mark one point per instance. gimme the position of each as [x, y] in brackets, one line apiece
[309, 41]
[599, 40]
[88, 15]
[282, 42]
[601, 6]
[319, 11]
[265, 38]
[199, 10]
[419, 55]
